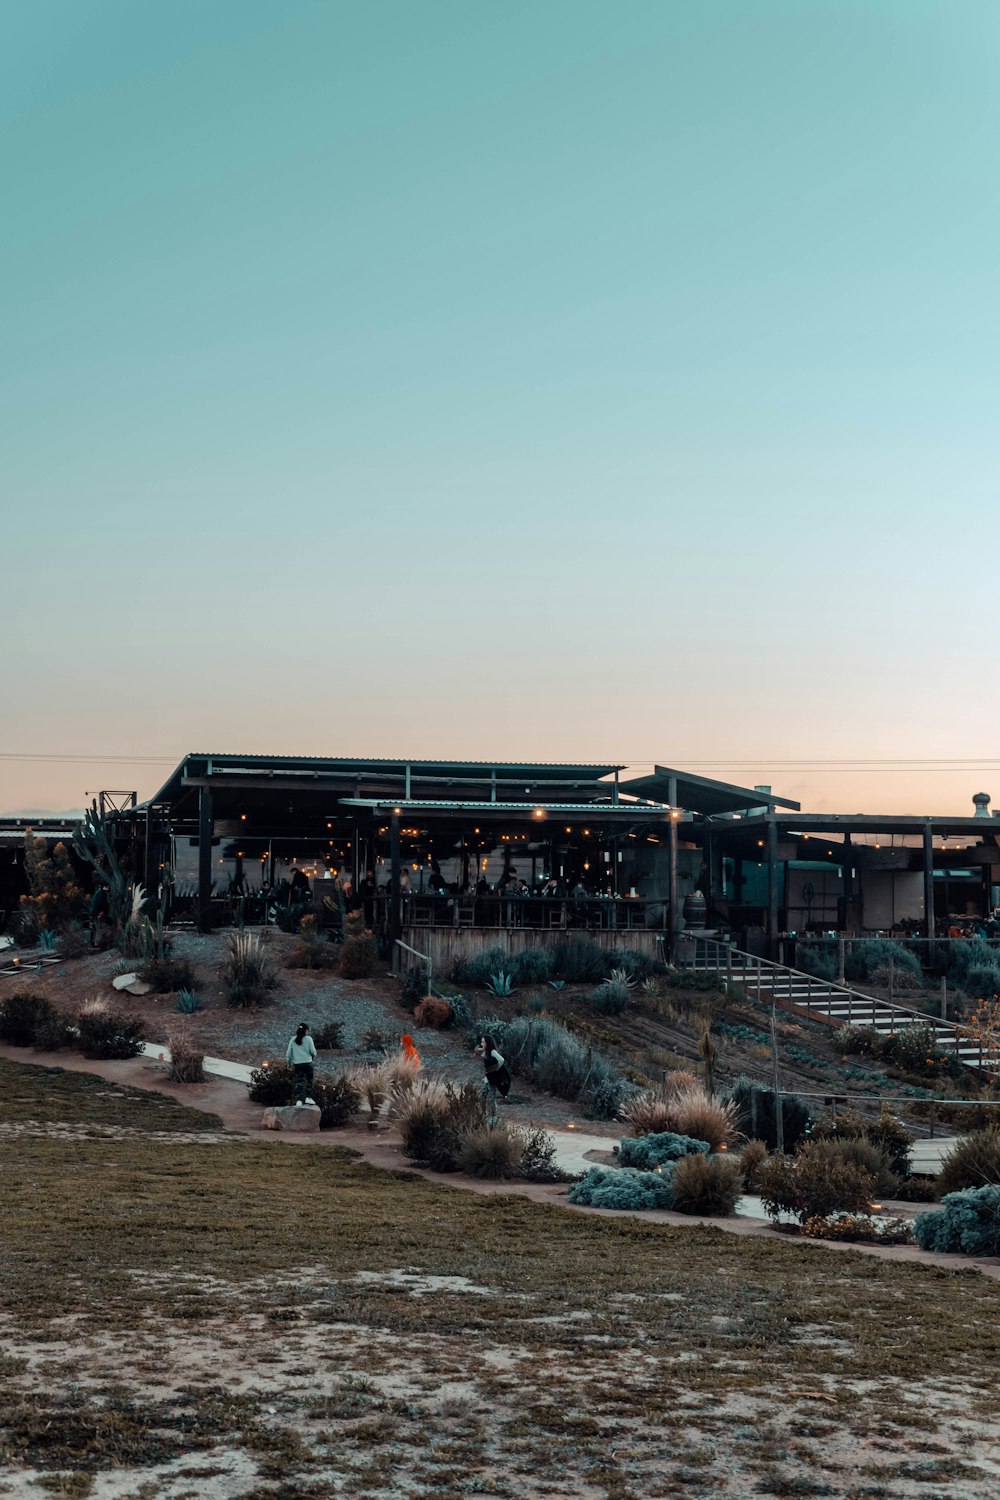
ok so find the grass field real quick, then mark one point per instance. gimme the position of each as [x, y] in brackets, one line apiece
[221, 1317]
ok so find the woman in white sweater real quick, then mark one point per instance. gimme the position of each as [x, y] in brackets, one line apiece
[301, 1054]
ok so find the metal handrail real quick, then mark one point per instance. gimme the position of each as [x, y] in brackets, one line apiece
[753, 961]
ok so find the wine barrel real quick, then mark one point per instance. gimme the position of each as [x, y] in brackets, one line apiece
[695, 911]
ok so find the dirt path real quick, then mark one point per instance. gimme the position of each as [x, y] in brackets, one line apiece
[228, 1100]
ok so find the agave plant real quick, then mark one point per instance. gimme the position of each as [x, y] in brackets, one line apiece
[557, 984]
[622, 976]
[500, 984]
[47, 940]
[188, 1001]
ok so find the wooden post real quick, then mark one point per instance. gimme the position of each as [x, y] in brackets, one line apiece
[847, 881]
[204, 854]
[929, 880]
[841, 958]
[151, 871]
[944, 997]
[892, 980]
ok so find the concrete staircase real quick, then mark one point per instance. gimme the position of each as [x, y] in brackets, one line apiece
[825, 1000]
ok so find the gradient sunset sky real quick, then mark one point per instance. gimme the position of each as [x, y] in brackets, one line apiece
[559, 380]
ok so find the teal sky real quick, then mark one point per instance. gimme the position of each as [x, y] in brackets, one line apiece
[547, 380]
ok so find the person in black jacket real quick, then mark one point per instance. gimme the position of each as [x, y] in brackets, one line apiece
[497, 1071]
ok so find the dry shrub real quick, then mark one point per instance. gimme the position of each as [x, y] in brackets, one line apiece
[492, 1151]
[752, 1159]
[186, 1060]
[708, 1185]
[648, 1113]
[680, 1081]
[684, 1111]
[382, 1084]
[434, 1125]
[433, 1012]
[702, 1118]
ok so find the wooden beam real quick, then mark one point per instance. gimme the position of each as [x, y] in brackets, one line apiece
[929, 880]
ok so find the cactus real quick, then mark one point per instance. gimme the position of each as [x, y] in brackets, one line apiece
[709, 1054]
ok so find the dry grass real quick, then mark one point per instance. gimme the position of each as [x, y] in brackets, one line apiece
[559, 1353]
[186, 1060]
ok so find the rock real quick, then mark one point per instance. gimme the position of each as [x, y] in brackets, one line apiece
[123, 981]
[291, 1117]
[138, 987]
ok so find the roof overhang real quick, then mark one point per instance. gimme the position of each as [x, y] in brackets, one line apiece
[701, 794]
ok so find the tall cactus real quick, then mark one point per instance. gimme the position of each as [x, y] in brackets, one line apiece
[92, 843]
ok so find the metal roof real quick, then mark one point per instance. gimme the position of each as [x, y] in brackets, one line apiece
[381, 765]
[701, 794]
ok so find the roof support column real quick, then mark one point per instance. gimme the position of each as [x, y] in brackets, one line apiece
[675, 923]
[929, 879]
[772, 886]
[396, 895]
[204, 856]
[847, 875]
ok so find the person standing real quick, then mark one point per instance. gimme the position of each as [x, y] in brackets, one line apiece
[301, 1054]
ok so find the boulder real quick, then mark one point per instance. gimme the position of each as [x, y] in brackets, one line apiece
[291, 1117]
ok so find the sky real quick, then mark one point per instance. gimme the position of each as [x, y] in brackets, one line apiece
[556, 380]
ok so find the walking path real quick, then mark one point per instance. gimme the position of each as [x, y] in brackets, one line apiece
[224, 1095]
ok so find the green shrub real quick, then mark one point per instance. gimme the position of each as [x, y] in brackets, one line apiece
[21, 1015]
[548, 1055]
[313, 952]
[477, 968]
[538, 1157]
[329, 1037]
[983, 980]
[859, 1041]
[710, 1185]
[968, 1223]
[887, 1134]
[358, 957]
[754, 1105]
[375, 1040]
[532, 966]
[272, 1084]
[816, 959]
[972, 1162]
[500, 984]
[414, 988]
[649, 1151]
[108, 1033]
[492, 1151]
[168, 974]
[611, 997]
[868, 961]
[812, 1184]
[861, 1153]
[72, 942]
[623, 1188]
[579, 960]
[188, 1003]
[247, 975]
[338, 1100]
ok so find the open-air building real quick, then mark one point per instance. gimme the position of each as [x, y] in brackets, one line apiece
[451, 855]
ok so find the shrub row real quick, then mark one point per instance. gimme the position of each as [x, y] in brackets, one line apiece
[30, 1020]
[575, 960]
[694, 1184]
